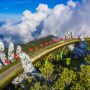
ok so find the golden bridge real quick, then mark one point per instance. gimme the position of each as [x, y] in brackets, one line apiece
[8, 75]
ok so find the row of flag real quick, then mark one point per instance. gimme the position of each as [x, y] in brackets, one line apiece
[45, 44]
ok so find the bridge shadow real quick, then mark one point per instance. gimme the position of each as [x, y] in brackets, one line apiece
[74, 64]
[10, 87]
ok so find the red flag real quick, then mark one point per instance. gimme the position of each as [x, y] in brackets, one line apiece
[6, 61]
[54, 41]
[16, 56]
[57, 40]
[41, 45]
[30, 49]
[61, 38]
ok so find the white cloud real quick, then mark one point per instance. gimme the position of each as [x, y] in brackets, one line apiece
[64, 18]
[56, 21]
[53, 24]
[71, 3]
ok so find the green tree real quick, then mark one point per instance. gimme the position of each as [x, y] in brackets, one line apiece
[68, 76]
[58, 85]
[77, 86]
[68, 61]
[66, 80]
[47, 70]
[36, 86]
[85, 76]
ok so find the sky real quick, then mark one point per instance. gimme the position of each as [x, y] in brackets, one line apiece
[26, 20]
[18, 6]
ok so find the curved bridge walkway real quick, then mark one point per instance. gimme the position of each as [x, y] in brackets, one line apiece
[7, 76]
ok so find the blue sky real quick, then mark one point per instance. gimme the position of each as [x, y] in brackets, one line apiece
[18, 6]
[58, 21]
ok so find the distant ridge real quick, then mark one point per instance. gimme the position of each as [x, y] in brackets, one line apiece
[37, 42]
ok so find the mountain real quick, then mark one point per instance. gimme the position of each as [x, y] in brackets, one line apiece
[37, 42]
